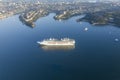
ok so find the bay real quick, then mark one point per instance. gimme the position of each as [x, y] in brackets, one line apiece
[94, 57]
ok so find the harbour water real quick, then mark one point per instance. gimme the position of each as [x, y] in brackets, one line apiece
[96, 55]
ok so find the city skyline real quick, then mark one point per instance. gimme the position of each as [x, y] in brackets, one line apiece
[67, 0]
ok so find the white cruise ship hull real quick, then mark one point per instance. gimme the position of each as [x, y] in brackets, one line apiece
[65, 47]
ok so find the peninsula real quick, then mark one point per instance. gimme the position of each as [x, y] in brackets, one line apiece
[96, 13]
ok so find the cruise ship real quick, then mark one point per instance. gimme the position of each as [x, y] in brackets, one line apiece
[56, 42]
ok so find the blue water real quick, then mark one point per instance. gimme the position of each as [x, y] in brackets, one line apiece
[96, 55]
